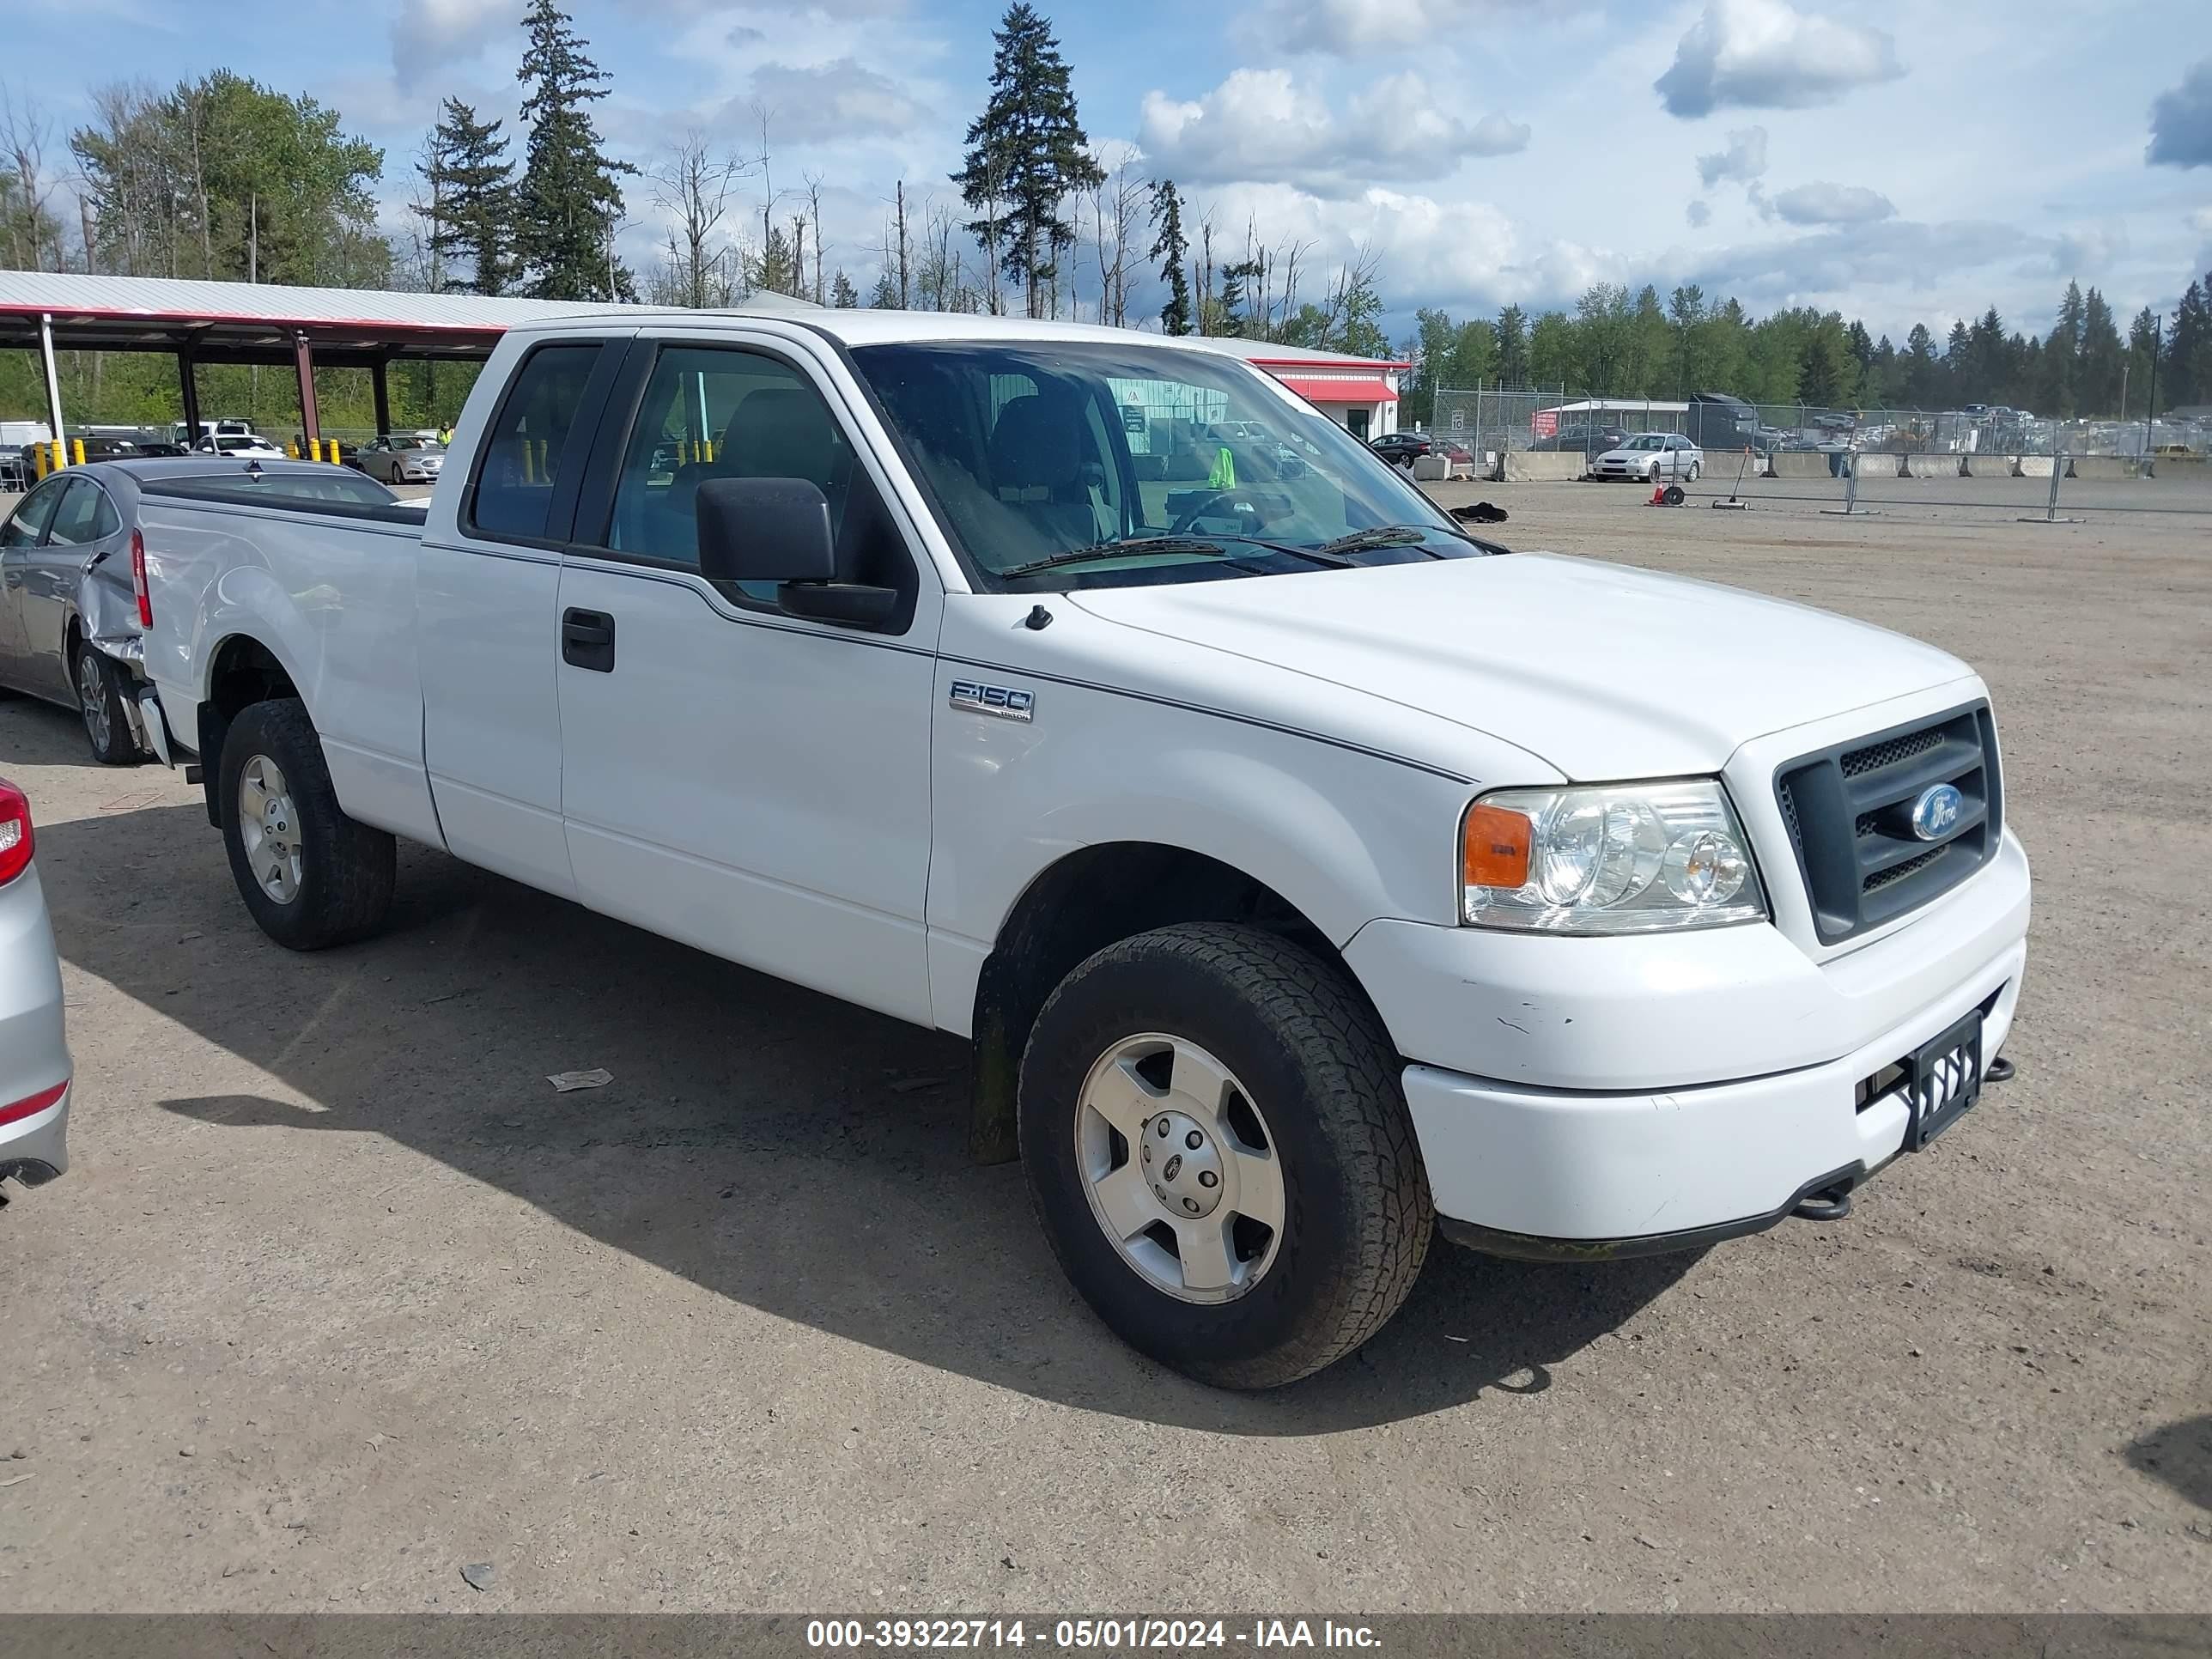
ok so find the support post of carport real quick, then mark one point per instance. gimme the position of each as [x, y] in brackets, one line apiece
[303, 358]
[53, 374]
[381, 393]
[188, 386]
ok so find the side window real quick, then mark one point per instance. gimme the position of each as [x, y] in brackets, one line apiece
[76, 521]
[30, 521]
[523, 453]
[106, 521]
[723, 412]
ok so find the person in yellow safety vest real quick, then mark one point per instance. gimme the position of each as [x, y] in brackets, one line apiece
[446, 437]
[1224, 476]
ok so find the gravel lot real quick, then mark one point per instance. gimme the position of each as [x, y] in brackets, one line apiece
[341, 1296]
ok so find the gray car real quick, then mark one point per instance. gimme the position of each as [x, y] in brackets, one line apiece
[34, 1057]
[401, 459]
[72, 579]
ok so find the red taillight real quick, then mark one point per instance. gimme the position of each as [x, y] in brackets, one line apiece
[15, 833]
[138, 580]
[35, 1104]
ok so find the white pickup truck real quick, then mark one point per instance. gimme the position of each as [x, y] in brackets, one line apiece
[1307, 875]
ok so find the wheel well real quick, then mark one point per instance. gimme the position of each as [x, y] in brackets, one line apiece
[246, 671]
[1088, 900]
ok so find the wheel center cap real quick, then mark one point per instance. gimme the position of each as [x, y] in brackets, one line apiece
[1182, 1163]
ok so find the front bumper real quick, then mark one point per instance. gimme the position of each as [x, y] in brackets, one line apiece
[1595, 1097]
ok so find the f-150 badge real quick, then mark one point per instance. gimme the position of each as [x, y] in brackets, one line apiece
[1004, 701]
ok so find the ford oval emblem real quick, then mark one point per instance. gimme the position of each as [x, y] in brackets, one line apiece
[1935, 814]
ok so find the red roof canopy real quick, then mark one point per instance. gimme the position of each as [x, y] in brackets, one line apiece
[1340, 391]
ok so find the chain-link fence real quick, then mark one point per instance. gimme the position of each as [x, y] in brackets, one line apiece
[1495, 420]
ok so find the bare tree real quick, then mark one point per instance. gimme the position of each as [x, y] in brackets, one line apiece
[33, 232]
[693, 186]
[1118, 205]
[814, 209]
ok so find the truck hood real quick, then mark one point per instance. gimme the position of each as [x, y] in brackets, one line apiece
[1604, 671]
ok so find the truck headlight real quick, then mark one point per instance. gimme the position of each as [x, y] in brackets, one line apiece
[1616, 858]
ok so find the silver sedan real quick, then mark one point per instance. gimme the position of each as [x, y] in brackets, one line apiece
[402, 459]
[34, 1056]
[72, 590]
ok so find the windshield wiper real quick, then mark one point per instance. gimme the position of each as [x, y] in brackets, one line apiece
[1389, 535]
[1129, 546]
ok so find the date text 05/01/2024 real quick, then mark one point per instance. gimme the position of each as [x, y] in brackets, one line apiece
[1166, 1634]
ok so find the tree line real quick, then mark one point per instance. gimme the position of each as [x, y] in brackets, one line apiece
[1616, 344]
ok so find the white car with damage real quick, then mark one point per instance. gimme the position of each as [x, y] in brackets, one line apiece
[1308, 876]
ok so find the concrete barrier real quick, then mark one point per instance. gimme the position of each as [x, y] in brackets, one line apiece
[1991, 466]
[1540, 466]
[2103, 467]
[1937, 463]
[1430, 469]
[1800, 464]
[2032, 466]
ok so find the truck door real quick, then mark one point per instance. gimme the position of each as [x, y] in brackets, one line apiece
[486, 588]
[732, 777]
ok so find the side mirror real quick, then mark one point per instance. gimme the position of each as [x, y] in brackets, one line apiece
[764, 530]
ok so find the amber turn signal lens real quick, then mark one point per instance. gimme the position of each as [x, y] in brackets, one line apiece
[1496, 852]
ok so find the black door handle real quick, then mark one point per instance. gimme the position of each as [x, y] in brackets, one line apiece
[587, 640]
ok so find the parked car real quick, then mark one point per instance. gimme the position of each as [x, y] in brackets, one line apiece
[34, 1056]
[239, 444]
[72, 574]
[1589, 440]
[1307, 873]
[1400, 448]
[104, 446]
[1651, 456]
[400, 459]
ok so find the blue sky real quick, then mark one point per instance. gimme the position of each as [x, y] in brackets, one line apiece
[1901, 163]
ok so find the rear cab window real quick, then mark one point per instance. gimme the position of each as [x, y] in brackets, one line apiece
[536, 445]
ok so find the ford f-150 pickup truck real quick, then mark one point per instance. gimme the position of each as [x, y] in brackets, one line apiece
[1308, 876]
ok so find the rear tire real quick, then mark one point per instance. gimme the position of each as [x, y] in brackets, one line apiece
[311, 876]
[1694, 473]
[1251, 1010]
[99, 704]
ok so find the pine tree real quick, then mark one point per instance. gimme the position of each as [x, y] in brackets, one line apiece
[1170, 247]
[571, 194]
[1027, 154]
[885, 296]
[777, 269]
[2096, 381]
[1513, 358]
[842, 294]
[472, 183]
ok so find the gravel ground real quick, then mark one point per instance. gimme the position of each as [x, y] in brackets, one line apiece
[341, 1296]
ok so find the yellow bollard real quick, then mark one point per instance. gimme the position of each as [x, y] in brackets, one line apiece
[60, 460]
[76, 451]
[38, 454]
[291, 450]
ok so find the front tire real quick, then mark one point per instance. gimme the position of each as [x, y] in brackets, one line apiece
[1694, 473]
[100, 696]
[1234, 1055]
[311, 876]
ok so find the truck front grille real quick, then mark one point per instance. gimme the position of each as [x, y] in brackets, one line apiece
[1849, 811]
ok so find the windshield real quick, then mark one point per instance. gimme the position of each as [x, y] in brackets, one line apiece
[1075, 456]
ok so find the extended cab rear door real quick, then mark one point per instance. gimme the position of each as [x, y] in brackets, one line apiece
[733, 776]
[488, 585]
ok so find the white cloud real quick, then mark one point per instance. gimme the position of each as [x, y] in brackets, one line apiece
[428, 35]
[1842, 262]
[2076, 253]
[1744, 160]
[1261, 126]
[1350, 28]
[824, 102]
[1823, 203]
[1765, 54]
[2181, 122]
